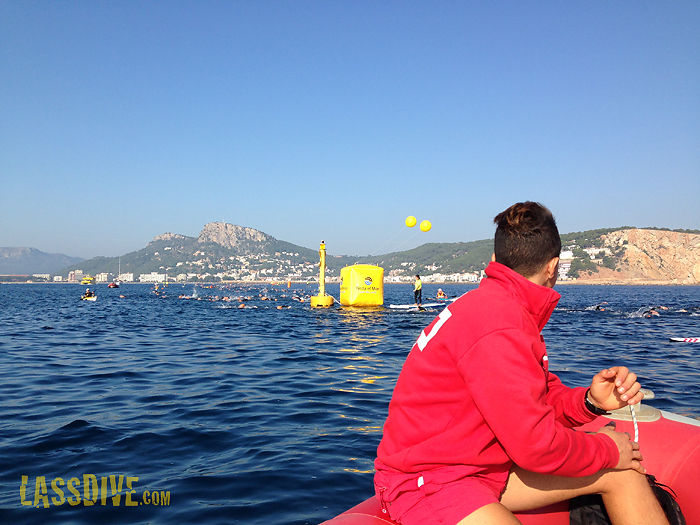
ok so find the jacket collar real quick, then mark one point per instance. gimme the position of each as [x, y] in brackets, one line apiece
[539, 301]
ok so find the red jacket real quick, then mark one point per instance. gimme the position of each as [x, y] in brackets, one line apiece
[475, 395]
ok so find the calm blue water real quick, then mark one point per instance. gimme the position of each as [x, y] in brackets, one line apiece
[257, 415]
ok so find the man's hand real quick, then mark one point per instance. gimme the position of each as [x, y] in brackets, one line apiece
[630, 457]
[615, 388]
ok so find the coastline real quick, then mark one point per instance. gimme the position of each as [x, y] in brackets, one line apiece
[585, 282]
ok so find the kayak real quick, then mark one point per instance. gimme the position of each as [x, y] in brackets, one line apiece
[671, 447]
[91, 298]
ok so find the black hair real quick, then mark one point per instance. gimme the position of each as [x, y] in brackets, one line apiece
[526, 237]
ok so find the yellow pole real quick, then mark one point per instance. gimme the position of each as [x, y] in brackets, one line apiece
[322, 300]
[322, 270]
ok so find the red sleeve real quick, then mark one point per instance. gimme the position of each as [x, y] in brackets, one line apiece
[568, 403]
[508, 386]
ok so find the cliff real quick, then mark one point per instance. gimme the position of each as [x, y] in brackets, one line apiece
[650, 257]
[168, 237]
[231, 235]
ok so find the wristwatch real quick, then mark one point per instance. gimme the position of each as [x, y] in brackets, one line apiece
[591, 407]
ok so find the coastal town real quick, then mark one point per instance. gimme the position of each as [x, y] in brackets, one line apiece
[279, 267]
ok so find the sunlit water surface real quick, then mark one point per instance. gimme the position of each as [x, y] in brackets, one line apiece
[257, 415]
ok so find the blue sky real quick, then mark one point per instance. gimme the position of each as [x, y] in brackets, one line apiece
[335, 120]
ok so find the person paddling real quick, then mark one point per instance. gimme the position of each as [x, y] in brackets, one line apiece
[479, 428]
[418, 291]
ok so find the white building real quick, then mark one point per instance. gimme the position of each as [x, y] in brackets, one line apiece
[565, 258]
[594, 252]
[152, 277]
[564, 267]
[101, 277]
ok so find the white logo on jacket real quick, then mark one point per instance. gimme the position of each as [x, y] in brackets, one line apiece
[423, 339]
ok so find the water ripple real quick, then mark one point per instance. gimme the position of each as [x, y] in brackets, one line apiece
[257, 415]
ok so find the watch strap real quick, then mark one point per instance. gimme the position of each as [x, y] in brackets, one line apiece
[591, 407]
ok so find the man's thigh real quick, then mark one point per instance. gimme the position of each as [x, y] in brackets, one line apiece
[528, 490]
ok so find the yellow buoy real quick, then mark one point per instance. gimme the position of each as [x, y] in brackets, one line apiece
[411, 221]
[425, 226]
[321, 300]
[362, 285]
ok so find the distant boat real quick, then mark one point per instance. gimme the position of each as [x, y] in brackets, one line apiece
[88, 279]
[116, 282]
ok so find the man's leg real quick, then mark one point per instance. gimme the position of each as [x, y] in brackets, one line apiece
[627, 495]
[491, 514]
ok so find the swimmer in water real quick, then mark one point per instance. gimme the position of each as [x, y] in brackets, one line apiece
[599, 307]
[651, 312]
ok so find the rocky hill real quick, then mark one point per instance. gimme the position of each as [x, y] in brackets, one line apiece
[646, 256]
[232, 235]
[219, 248]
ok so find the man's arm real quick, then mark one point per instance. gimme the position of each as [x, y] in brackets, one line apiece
[508, 386]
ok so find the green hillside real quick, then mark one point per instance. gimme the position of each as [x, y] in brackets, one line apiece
[271, 258]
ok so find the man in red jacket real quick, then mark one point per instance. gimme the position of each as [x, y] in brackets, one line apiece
[479, 428]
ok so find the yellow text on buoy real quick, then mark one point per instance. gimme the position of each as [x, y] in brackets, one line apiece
[321, 300]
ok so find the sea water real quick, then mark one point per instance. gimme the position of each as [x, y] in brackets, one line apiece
[264, 414]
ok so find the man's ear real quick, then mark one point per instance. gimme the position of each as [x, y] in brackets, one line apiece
[493, 257]
[552, 267]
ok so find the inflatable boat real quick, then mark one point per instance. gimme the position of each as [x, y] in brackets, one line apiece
[670, 444]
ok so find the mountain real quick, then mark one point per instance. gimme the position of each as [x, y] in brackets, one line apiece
[645, 256]
[231, 252]
[219, 247]
[432, 258]
[26, 261]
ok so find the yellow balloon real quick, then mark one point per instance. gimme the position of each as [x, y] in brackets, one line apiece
[411, 221]
[425, 226]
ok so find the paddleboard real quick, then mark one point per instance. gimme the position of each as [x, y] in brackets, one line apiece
[685, 339]
[414, 307]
